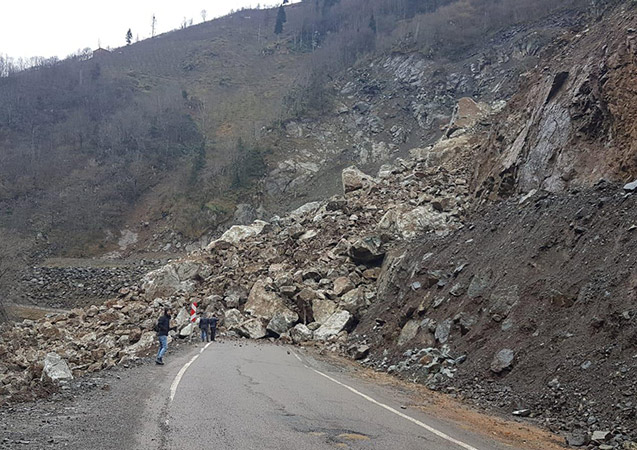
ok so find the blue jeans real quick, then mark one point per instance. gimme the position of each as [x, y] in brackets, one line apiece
[204, 335]
[163, 346]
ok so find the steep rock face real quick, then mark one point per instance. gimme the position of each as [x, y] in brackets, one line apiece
[573, 122]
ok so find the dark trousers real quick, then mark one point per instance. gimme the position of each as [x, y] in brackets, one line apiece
[213, 333]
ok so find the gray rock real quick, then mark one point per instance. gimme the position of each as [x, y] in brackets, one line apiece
[333, 326]
[322, 309]
[631, 186]
[407, 222]
[503, 300]
[238, 233]
[244, 214]
[600, 436]
[502, 360]
[578, 439]
[354, 179]
[457, 290]
[282, 321]
[262, 302]
[443, 330]
[187, 330]
[353, 301]
[479, 284]
[408, 332]
[253, 329]
[367, 250]
[300, 333]
[56, 369]
[233, 318]
[358, 351]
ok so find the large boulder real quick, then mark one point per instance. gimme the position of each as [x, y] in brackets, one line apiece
[301, 333]
[253, 329]
[343, 285]
[232, 319]
[282, 321]
[353, 301]
[337, 322]
[305, 210]
[263, 303]
[56, 369]
[174, 277]
[322, 309]
[408, 223]
[238, 233]
[354, 179]
[187, 330]
[143, 345]
[367, 250]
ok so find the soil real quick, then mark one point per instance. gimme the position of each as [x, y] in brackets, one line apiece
[565, 264]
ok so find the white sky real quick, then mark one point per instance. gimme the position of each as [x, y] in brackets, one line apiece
[57, 28]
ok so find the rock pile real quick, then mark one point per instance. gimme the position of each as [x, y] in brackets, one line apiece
[308, 276]
[63, 346]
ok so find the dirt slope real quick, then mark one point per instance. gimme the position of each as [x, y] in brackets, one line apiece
[552, 279]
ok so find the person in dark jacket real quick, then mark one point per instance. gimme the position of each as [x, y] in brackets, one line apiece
[163, 327]
[213, 326]
[204, 325]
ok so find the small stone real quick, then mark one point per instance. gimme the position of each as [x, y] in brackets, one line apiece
[522, 412]
[357, 351]
[577, 439]
[600, 436]
[586, 365]
[630, 187]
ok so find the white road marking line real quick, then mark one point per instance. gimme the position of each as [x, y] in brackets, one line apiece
[177, 380]
[297, 356]
[432, 430]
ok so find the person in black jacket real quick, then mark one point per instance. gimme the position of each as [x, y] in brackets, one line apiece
[204, 324]
[213, 326]
[163, 327]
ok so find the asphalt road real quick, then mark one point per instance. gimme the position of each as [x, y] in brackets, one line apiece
[262, 396]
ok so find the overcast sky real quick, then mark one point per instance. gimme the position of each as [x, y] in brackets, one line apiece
[57, 28]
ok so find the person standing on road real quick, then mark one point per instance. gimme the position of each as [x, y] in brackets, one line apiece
[213, 326]
[204, 324]
[163, 327]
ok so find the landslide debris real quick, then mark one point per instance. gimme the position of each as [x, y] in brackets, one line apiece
[261, 279]
[529, 308]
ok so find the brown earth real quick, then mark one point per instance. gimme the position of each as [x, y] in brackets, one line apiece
[553, 279]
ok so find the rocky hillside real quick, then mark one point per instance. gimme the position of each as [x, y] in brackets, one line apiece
[173, 139]
[496, 264]
[573, 121]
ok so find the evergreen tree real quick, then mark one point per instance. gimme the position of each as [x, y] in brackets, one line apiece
[280, 20]
[129, 36]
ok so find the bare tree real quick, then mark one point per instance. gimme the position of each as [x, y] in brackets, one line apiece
[152, 26]
[204, 13]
